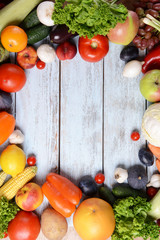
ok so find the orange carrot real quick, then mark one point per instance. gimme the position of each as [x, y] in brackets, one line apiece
[69, 190]
[155, 150]
[158, 164]
[57, 201]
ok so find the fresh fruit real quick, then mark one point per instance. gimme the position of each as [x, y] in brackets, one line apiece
[37, 33]
[13, 38]
[54, 225]
[12, 160]
[99, 178]
[31, 160]
[27, 58]
[150, 85]
[151, 192]
[25, 226]
[129, 53]
[7, 125]
[44, 13]
[94, 219]
[31, 20]
[5, 100]
[29, 197]
[135, 136]
[40, 64]
[12, 77]
[93, 50]
[46, 53]
[146, 157]
[125, 32]
[66, 50]
[88, 185]
[137, 177]
[106, 194]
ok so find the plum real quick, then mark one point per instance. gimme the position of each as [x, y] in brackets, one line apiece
[5, 100]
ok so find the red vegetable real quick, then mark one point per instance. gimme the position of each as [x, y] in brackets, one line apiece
[93, 50]
[152, 60]
[99, 178]
[40, 64]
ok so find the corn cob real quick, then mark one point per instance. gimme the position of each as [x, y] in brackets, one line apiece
[3, 176]
[11, 187]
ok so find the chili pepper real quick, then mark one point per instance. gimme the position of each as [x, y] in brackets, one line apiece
[152, 60]
[65, 187]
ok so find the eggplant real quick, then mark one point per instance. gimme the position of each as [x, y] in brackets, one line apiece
[129, 53]
[60, 33]
[88, 185]
[5, 100]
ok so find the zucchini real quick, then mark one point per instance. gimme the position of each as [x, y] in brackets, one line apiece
[16, 11]
[31, 20]
[37, 33]
[106, 194]
[122, 191]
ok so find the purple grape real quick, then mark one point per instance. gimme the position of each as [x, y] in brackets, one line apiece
[149, 5]
[156, 6]
[141, 32]
[154, 1]
[144, 43]
[148, 28]
[154, 13]
[137, 40]
[140, 11]
[148, 35]
[141, 23]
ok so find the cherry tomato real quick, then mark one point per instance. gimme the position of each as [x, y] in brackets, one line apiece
[31, 160]
[99, 178]
[135, 136]
[40, 64]
[93, 50]
[12, 77]
[5, 235]
[151, 191]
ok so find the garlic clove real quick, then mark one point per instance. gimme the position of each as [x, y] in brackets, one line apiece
[120, 175]
[132, 69]
[16, 137]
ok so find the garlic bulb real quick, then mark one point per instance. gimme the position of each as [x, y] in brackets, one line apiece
[155, 181]
[16, 137]
[132, 69]
[120, 175]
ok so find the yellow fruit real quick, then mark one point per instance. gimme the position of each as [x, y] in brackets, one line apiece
[13, 160]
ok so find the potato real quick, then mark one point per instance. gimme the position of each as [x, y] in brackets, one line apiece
[54, 225]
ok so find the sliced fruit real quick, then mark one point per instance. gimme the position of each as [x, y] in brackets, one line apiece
[155, 150]
[44, 13]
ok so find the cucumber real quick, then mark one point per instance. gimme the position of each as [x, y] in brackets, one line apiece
[121, 191]
[37, 33]
[106, 194]
[31, 20]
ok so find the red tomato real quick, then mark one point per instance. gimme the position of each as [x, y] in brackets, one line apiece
[31, 160]
[135, 136]
[12, 77]
[99, 178]
[93, 50]
[40, 64]
[151, 191]
[25, 226]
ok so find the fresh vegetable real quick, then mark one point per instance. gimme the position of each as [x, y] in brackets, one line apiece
[66, 50]
[132, 220]
[7, 124]
[129, 53]
[54, 225]
[31, 160]
[31, 20]
[88, 185]
[11, 187]
[5, 100]
[25, 226]
[27, 58]
[99, 178]
[40, 64]
[89, 18]
[132, 69]
[94, 219]
[16, 137]
[60, 33]
[135, 136]
[46, 53]
[152, 21]
[44, 13]
[3, 176]
[106, 194]
[93, 50]
[120, 175]
[13, 38]
[151, 192]
[124, 190]
[12, 77]
[62, 194]
[137, 177]
[155, 150]
[8, 210]
[146, 157]
[16, 11]
[155, 206]
[37, 33]
[158, 164]
[4, 54]
[152, 60]
[154, 181]
[151, 124]
[13, 160]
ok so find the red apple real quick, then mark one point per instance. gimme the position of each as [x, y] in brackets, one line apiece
[29, 197]
[27, 58]
[66, 51]
[124, 33]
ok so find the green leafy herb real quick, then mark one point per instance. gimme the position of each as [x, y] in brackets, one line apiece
[133, 221]
[8, 210]
[89, 17]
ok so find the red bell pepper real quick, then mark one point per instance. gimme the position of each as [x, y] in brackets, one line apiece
[152, 60]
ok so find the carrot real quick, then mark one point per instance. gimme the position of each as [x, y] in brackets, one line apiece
[57, 201]
[69, 190]
[158, 164]
[155, 150]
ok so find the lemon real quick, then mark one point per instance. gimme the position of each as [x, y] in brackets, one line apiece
[13, 160]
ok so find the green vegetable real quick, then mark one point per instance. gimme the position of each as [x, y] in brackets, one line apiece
[4, 54]
[132, 220]
[106, 194]
[89, 17]
[8, 210]
[31, 20]
[155, 209]
[37, 33]
[124, 190]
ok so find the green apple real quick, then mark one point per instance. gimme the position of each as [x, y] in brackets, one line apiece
[150, 85]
